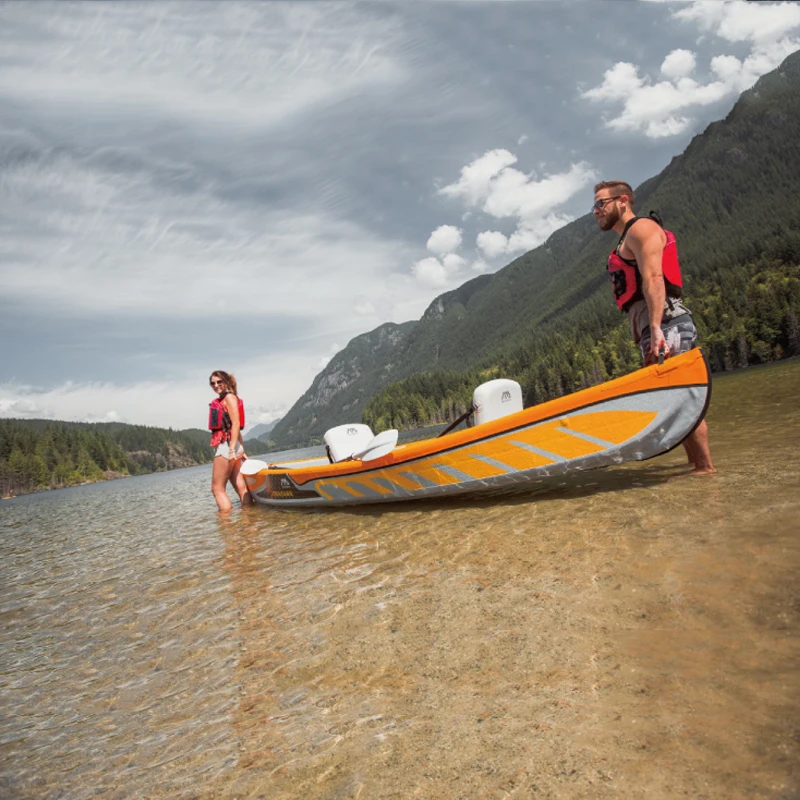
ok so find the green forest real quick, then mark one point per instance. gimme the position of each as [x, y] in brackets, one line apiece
[43, 454]
[746, 314]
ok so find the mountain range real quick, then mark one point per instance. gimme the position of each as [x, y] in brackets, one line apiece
[262, 430]
[732, 199]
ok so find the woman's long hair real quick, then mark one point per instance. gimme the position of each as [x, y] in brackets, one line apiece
[230, 381]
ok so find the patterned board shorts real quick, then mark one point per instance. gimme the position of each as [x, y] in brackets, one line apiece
[224, 450]
[680, 333]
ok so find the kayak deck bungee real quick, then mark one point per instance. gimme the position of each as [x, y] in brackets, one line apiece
[632, 418]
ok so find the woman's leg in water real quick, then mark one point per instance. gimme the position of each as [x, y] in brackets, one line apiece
[219, 480]
[238, 482]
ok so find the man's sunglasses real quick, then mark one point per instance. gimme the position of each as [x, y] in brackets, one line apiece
[600, 204]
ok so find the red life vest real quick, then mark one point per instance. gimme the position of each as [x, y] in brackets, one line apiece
[218, 417]
[626, 278]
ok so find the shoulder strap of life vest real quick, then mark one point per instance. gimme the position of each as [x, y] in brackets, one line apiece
[625, 231]
[653, 215]
[629, 261]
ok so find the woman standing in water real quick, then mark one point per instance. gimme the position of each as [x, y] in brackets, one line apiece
[226, 422]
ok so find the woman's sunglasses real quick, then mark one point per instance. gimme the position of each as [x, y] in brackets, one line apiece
[217, 383]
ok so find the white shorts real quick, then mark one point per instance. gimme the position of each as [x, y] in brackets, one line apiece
[224, 450]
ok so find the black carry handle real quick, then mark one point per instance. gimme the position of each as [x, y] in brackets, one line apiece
[661, 353]
[457, 422]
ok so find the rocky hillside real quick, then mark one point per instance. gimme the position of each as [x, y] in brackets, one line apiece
[339, 392]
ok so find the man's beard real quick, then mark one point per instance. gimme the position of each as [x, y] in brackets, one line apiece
[608, 221]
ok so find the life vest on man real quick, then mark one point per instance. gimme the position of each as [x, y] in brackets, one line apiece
[626, 278]
[218, 417]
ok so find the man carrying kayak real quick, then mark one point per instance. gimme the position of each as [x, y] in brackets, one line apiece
[647, 282]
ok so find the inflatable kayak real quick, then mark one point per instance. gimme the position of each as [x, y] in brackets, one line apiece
[632, 418]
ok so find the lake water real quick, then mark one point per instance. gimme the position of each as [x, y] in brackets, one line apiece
[633, 634]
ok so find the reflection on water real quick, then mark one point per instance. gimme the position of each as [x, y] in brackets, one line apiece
[630, 634]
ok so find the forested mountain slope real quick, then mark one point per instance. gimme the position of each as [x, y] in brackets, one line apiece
[548, 320]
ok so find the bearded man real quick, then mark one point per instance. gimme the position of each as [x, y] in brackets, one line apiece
[647, 284]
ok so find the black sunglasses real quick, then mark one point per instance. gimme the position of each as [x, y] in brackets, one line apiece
[217, 383]
[600, 204]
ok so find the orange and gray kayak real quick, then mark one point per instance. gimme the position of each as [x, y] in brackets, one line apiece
[632, 418]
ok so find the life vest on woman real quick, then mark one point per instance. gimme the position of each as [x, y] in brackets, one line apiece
[626, 278]
[218, 417]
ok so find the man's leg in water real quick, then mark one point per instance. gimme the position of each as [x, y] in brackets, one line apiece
[697, 450]
[681, 338]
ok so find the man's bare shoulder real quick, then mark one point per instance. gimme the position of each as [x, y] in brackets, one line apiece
[645, 236]
[644, 228]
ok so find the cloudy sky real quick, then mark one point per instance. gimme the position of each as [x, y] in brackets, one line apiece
[247, 186]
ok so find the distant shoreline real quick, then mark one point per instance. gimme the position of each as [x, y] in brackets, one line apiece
[108, 476]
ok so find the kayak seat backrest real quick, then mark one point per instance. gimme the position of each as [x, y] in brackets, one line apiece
[345, 440]
[495, 399]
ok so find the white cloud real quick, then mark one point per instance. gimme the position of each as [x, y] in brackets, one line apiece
[453, 262]
[726, 68]
[493, 185]
[656, 109]
[430, 272]
[663, 108]
[528, 235]
[515, 194]
[678, 64]
[619, 82]
[532, 233]
[448, 269]
[445, 239]
[761, 23]
[492, 243]
[439, 273]
[476, 178]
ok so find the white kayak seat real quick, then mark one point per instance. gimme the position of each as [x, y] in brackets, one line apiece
[344, 441]
[495, 399]
[253, 466]
[379, 446]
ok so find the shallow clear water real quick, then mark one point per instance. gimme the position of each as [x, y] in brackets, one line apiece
[631, 634]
